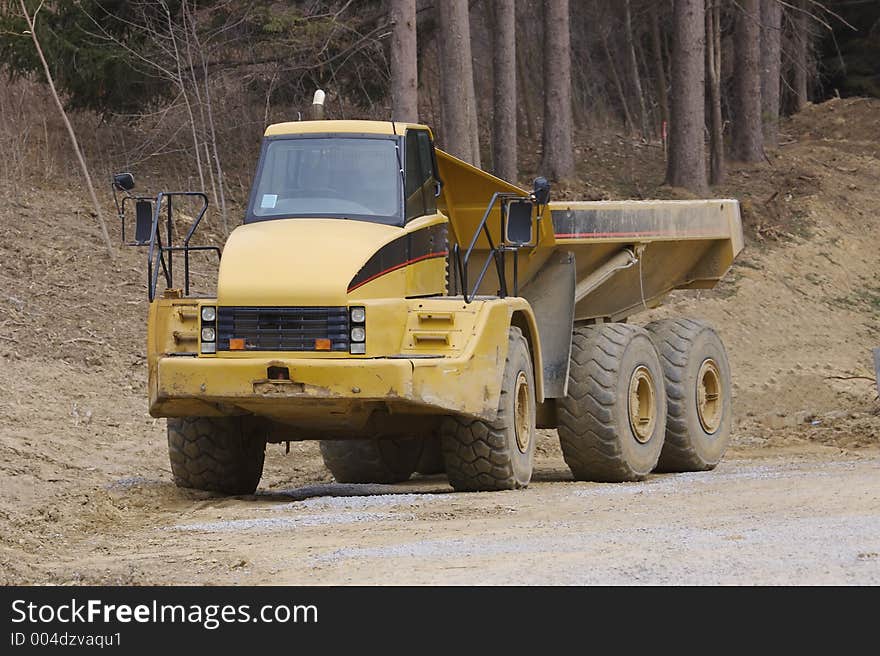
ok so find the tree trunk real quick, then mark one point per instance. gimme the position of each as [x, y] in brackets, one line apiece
[404, 66]
[558, 163]
[634, 70]
[505, 99]
[660, 71]
[748, 139]
[457, 86]
[713, 74]
[526, 96]
[687, 155]
[801, 35]
[771, 63]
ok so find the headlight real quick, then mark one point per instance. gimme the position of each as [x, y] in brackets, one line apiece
[208, 334]
[209, 313]
[358, 314]
[358, 334]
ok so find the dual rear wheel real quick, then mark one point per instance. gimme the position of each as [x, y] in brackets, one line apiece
[645, 399]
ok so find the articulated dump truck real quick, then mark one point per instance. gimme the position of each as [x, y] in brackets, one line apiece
[417, 314]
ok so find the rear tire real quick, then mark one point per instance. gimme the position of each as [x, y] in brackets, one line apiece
[371, 460]
[612, 423]
[431, 460]
[698, 393]
[496, 455]
[216, 454]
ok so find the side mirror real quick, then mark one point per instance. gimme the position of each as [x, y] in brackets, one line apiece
[123, 181]
[143, 226]
[541, 191]
[518, 222]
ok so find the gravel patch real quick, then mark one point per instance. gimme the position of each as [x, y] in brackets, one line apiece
[360, 502]
[676, 555]
[287, 523]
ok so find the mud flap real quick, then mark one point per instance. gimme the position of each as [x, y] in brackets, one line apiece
[551, 294]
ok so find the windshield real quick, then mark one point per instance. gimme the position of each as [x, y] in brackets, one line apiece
[339, 177]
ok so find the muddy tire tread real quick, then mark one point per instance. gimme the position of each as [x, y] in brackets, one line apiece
[587, 416]
[673, 339]
[475, 450]
[215, 454]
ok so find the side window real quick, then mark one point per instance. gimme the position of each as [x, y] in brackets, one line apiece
[426, 159]
[420, 177]
[415, 179]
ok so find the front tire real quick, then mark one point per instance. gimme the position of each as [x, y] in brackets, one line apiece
[612, 423]
[216, 454]
[496, 455]
[698, 392]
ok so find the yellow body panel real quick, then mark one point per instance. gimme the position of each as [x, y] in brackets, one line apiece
[302, 262]
[296, 261]
[457, 374]
[341, 127]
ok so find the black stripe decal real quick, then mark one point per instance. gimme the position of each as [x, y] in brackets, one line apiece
[637, 221]
[410, 248]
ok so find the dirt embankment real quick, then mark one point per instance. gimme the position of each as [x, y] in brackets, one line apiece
[86, 493]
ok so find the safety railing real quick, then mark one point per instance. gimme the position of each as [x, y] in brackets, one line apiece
[160, 255]
[496, 253]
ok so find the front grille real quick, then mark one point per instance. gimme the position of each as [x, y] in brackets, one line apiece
[282, 328]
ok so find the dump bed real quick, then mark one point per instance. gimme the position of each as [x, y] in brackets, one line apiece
[626, 254]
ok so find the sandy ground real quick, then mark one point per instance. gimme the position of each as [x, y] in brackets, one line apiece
[776, 518]
[85, 491]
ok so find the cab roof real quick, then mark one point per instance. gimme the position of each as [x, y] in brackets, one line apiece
[341, 127]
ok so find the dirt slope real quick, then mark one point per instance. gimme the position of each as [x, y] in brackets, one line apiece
[83, 468]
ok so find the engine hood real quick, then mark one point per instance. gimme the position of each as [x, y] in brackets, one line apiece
[289, 262]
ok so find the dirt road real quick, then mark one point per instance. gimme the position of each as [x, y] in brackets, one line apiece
[778, 518]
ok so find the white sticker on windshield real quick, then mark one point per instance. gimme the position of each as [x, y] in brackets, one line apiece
[268, 201]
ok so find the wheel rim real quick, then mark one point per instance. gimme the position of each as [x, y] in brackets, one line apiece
[642, 405]
[522, 413]
[710, 401]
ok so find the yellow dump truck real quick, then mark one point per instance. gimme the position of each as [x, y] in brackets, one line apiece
[417, 314]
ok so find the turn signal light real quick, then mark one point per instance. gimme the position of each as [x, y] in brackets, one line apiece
[322, 344]
[236, 343]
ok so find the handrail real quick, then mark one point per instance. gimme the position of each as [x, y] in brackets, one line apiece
[496, 253]
[157, 251]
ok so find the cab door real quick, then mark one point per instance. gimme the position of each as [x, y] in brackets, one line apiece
[428, 242]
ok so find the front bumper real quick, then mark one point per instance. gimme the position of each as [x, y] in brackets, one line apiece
[327, 394]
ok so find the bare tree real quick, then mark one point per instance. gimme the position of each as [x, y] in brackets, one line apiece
[404, 62]
[687, 155]
[31, 23]
[659, 69]
[713, 82]
[459, 106]
[621, 93]
[771, 64]
[505, 99]
[215, 152]
[747, 136]
[634, 69]
[558, 162]
[178, 61]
